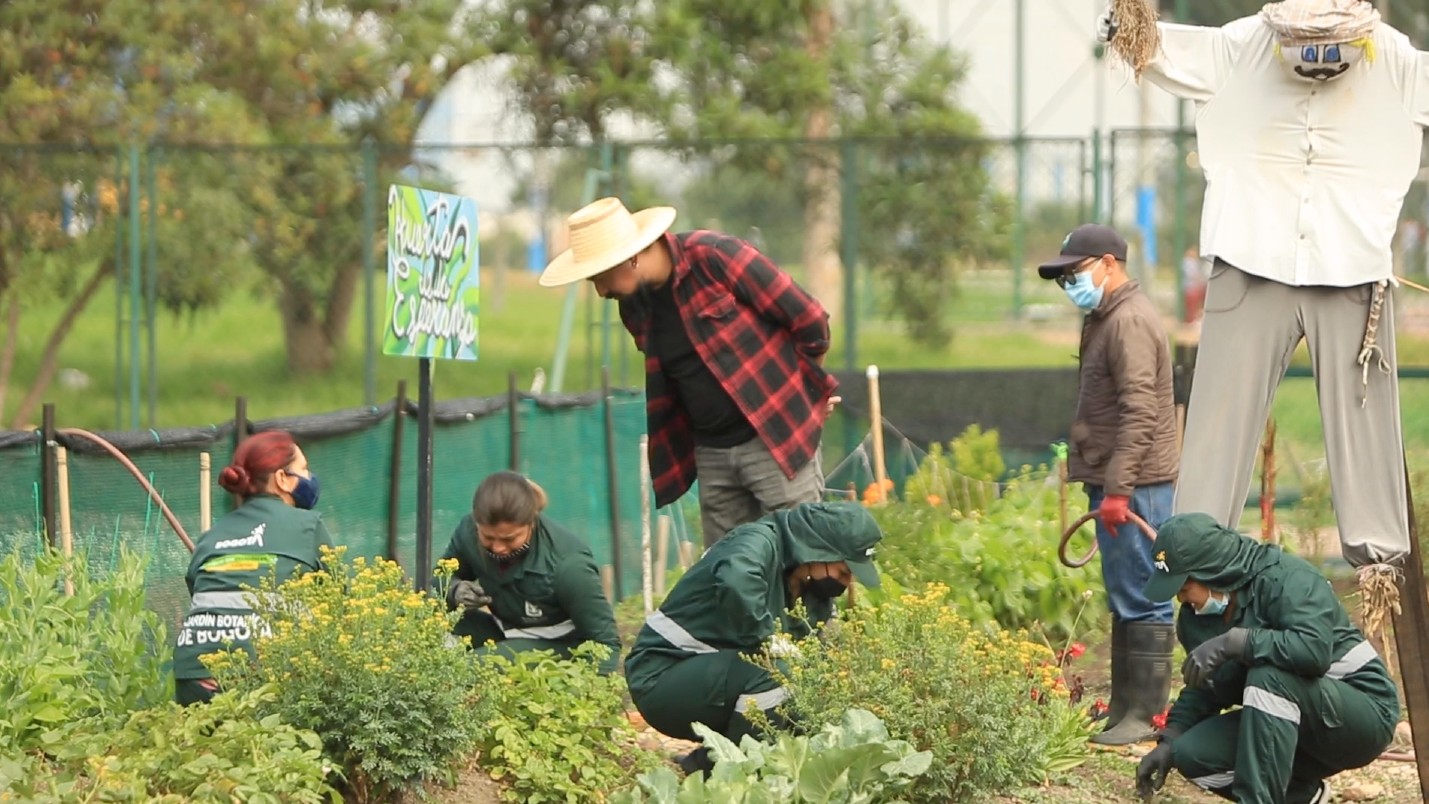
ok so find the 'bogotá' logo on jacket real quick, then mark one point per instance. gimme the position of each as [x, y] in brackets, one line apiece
[253, 539]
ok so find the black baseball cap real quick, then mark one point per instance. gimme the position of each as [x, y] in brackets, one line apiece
[1087, 240]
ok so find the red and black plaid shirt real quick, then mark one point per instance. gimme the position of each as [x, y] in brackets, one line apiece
[761, 336]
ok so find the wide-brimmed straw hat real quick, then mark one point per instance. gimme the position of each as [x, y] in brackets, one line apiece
[603, 235]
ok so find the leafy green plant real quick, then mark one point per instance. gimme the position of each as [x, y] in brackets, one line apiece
[1000, 564]
[362, 660]
[851, 761]
[558, 731]
[225, 751]
[990, 705]
[94, 654]
[964, 478]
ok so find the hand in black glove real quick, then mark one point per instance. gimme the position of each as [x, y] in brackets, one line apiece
[1151, 773]
[1211, 654]
[468, 595]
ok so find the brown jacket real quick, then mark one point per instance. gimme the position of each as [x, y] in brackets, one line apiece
[1124, 434]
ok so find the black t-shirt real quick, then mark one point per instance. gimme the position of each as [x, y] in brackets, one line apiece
[715, 419]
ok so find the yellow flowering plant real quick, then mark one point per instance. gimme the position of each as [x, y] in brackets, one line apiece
[989, 704]
[357, 656]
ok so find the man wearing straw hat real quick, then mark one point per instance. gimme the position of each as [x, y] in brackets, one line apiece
[1309, 122]
[736, 393]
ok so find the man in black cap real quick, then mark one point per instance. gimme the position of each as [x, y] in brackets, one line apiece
[1264, 632]
[1123, 450]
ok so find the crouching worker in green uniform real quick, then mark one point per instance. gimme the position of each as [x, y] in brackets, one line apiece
[1264, 631]
[537, 580]
[686, 666]
[274, 533]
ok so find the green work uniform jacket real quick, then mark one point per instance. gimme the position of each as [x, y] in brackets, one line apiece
[1296, 623]
[552, 593]
[737, 595]
[264, 537]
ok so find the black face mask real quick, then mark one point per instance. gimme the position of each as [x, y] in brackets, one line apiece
[827, 588]
[511, 556]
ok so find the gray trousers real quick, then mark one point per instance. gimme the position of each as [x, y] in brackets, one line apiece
[742, 483]
[1251, 328]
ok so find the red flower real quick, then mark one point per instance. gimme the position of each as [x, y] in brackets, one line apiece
[1099, 708]
[1159, 721]
[1078, 649]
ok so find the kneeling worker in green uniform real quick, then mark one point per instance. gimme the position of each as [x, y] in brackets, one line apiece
[537, 580]
[274, 533]
[1264, 631]
[686, 666]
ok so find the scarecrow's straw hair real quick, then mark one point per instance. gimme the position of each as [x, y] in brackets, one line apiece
[1379, 598]
[1137, 38]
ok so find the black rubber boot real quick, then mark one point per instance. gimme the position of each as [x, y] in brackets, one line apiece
[1147, 682]
[1116, 707]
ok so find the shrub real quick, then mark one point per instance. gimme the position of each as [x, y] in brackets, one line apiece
[95, 654]
[852, 761]
[362, 660]
[990, 705]
[559, 730]
[1001, 564]
[222, 752]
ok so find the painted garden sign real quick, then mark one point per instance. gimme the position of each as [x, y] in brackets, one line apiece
[433, 281]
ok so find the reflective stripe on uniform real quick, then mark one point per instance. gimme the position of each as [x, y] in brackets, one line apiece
[675, 634]
[763, 700]
[538, 631]
[1354, 659]
[222, 600]
[1271, 704]
[1215, 781]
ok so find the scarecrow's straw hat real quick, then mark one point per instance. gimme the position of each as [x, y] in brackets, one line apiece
[603, 235]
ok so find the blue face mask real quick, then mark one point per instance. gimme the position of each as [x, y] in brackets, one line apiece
[1214, 605]
[1083, 293]
[305, 495]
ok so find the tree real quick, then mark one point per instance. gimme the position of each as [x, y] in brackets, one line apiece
[317, 79]
[74, 87]
[757, 71]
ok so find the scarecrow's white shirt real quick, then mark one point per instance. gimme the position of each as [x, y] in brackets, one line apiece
[1304, 180]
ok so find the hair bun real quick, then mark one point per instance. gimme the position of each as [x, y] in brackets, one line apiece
[234, 479]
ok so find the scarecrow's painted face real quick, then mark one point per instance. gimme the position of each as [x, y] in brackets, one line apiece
[1321, 62]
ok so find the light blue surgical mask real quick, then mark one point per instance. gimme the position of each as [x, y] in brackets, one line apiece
[1214, 605]
[1083, 293]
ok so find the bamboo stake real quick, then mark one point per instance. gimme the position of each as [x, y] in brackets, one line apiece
[662, 554]
[205, 494]
[646, 589]
[1267, 486]
[66, 535]
[875, 414]
[607, 582]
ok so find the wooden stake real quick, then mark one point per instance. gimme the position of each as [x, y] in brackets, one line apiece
[1267, 486]
[205, 494]
[662, 554]
[875, 414]
[687, 555]
[646, 582]
[607, 582]
[66, 535]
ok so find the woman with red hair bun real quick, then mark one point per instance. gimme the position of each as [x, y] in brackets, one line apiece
[273, 533]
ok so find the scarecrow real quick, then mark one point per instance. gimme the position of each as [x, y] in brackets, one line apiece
[1309, 119]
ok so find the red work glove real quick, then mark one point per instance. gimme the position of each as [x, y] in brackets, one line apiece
[1115, 510]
